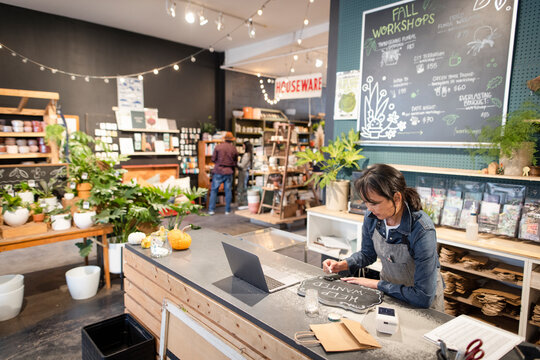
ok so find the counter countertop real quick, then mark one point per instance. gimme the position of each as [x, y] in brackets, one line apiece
[204, 266]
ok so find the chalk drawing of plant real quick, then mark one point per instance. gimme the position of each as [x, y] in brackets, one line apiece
[370, 46]
[480, 4]
[483, 36]
[18, 173]
[377, 124]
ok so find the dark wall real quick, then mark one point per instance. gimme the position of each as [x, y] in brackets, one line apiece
[244, 90]
[189, 95]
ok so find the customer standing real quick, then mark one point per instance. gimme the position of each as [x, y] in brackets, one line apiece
[225, 158]
[243, 173]
[397, 231]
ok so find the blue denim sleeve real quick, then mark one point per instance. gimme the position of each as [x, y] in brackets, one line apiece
[424, 289]
[367, 255]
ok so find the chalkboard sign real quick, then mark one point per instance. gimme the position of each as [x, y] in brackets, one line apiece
[15, 174]
[338, 293]
[433, 70]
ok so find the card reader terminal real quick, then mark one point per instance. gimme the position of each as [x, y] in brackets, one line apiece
[387, 320]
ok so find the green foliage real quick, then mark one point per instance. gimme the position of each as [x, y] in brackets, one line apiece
[341, 154]
[208, 127]
[37, 208]
[187, 207]
[23, 186]
[10, 203]
[46, 188]
[496, 140]
[84, 249]
[54, 133]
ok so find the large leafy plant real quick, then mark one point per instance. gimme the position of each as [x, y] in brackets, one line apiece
[495, 139]
[10, 203]
[187, 207]
[335, 159]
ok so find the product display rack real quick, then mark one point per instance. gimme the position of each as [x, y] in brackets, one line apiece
[47, 115]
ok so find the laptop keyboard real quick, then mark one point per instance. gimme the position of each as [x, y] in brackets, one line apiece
[272, 283]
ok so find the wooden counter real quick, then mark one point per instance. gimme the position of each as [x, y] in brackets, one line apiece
[255, 324]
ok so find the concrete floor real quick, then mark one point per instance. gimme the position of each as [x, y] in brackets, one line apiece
[49, 325]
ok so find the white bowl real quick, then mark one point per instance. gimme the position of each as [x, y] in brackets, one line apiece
[17, 217]
[11, 303]
[84, 220]
[237, 113]
[17, 123]
[11, 282]
[83, 281]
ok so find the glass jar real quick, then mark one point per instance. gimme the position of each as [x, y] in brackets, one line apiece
[159, 247]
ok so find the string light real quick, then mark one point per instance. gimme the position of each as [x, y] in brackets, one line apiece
[265, 93]
[176, 67]
[299, 41]
[306, 22]
[156, 71]
[106, 80]
[211, 49]
[251, 29]
[260, 12]
[318, 63]
[73, 77]
[140, 77]
[193, 59]
[295, 57]
[87, 79]
[25, 60]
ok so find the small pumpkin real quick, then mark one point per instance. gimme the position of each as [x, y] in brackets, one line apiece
[146, 242]
[179, 239]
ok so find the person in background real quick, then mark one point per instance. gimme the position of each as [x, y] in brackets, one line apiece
[224, 158]
[244, 166]
[397, 231]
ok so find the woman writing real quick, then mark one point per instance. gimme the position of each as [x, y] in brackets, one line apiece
[397, 231]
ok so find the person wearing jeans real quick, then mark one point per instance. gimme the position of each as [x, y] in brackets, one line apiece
[225, 158]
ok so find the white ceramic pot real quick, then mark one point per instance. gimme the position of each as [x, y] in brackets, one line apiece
[26, 196]
[59, 222]
[17, 217]
[83, 281]
[8, 283]
[115, 257]
[337, 195]
[11, 303]
[50, 203]
[69, 196]
[83, 220]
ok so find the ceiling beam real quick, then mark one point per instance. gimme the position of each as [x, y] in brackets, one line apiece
[242, 53]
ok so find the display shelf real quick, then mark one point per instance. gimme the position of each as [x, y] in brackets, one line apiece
[459, 172]
[149, 153]
[22, 134]
[483, 273]
[469, 300]
[535, 278]
[152, 131]
[537, 324]
[25, 156]
[249, 133]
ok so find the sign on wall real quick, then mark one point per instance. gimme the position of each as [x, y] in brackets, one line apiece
[347, 98]
[298, 87]
[130, 93]
[432, 71]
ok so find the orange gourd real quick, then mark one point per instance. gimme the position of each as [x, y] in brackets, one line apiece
[179, 239]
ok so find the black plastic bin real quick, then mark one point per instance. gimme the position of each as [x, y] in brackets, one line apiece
[117, 338]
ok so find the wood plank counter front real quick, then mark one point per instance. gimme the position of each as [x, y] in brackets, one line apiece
[256, 324]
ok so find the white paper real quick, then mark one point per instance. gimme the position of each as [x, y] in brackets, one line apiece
[461, 331]
[335, 242]
[159, 146]
[126, 146]
[347, 96]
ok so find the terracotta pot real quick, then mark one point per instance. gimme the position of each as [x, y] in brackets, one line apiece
[535, 171]
[38, 217]
[83, 190]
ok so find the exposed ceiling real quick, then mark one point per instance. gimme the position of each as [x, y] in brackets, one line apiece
[269, 53]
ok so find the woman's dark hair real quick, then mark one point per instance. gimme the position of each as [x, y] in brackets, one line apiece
[249, 149]
[385, 181]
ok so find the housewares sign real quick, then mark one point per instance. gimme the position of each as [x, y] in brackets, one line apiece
[299, 87]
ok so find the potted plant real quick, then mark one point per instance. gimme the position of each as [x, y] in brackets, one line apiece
[69, 192]
[513, 143]
[207, 129]
[14, 211]
[60, 218]
[83, 217]
[38, 212]
[45, 192]
[25, 192]
[336, 162]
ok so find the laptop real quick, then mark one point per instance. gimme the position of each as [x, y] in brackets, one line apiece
[247, 266]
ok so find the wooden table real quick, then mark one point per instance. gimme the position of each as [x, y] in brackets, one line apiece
[52, 236]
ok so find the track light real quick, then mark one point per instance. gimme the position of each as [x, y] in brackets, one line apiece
[251, 29]
[219, 22]
[189, 16]
[318, 63]
[229, 37]
[202, 19]
[306, 22]
[170, 6]
[295, 57]
[299, 41]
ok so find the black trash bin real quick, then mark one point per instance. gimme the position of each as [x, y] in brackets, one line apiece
[117, 338]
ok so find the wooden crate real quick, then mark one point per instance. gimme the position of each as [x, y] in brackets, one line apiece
[30, 228]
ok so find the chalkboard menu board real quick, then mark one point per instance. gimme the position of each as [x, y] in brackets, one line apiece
[433, 70]
[15, 174]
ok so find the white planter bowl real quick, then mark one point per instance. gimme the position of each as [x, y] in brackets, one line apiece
[69, 196]
[17, 217]
[83, 281]
[11, 303]
[50, 203]
[9, 283]
[115, 257]
[84, 220]
[26, 196]
[59, 222]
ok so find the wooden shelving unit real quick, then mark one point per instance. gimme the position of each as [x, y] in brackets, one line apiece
[483, 273]
[204, 154]
[152, 131]
[151, 153]
[47, 113]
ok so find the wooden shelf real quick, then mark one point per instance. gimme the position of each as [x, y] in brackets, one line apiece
[534, 323]
[470, 301]
[459, 172]
[483, 273]
[535, 278]
[148, 153]
[152, 131]
[25, 95]
[22, 134]
[25, 156]
[249, 133]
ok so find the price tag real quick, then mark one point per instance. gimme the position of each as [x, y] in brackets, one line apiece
[32, 183]
[8, 187]
[86, 205]
[84, 176]
[72, 185]
[11, 192]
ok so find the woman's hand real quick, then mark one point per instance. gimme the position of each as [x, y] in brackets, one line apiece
[333, 266]
[370, 283]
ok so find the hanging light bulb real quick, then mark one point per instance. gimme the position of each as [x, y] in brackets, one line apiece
[219, 22]
[306, 22]
[41, 68]
[260, 12]
[318, 63]
[25, 60]
[72, 77]
[295, 57]
[202, 19]
[1, 46]
[87, 79]
[140, 77]
[262, 86]
[54, 71]
[229, 37]
[260, 81]
[189, 16]
[292, 70]
[156, 71]
[251, 29]
[106, 80]
[259, 75]
[312, 1]
[170, 6]
[176, 67]
[211, 49]
[299, 41]
[193, 59]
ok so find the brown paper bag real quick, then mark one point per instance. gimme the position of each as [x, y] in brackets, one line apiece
[347, 335]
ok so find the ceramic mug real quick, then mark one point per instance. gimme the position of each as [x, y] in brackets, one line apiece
[32, 142]
[2, 148]
[34, 148]
[18, 129]
[21, 142]
[12, 149]
[17, 123]
[27, 123]
[8, 128]
[28, 129]
[10, 141]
